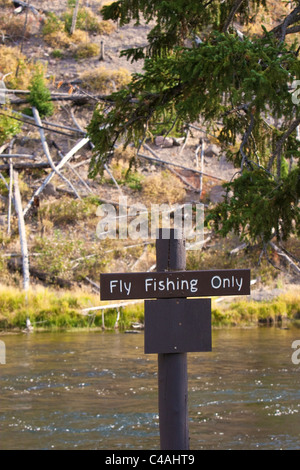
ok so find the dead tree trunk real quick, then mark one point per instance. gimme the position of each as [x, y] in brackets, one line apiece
[101, 57]
[74, 19]
[11, 177]
[22, 232]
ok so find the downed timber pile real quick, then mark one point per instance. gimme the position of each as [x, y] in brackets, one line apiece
[15, 162]
[58, 149]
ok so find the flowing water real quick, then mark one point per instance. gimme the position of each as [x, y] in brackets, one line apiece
[97, 390]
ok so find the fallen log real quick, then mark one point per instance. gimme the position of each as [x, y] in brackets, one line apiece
[50, 279]
[15, 265]
[237, 249]
[17, 155]
[47, 123]
[77, 99]
[25, 166]
[66, 158]
[3, 179]
[293, 265]
[28, 123]
[47, 152]
[164, 162]
[171, 169]
[72, 169]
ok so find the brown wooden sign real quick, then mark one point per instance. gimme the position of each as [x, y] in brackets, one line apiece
[177, 325]
[176, 284]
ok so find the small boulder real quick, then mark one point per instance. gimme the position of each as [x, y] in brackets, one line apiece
[164, 142]
[217, 194]
[212, 151]
[50, 190]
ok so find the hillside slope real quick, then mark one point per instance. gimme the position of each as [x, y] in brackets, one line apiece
[64, 249]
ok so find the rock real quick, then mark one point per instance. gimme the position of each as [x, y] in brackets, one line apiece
[217, 194]
[164, 142]
[50, 190]
[211, 150]
[3, 220]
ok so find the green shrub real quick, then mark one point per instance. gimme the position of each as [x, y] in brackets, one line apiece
[54, 32]
[40, 96]
[8, 126]
[53, 24]
[57, 54]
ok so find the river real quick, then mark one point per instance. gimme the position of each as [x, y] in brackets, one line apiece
[97, 390]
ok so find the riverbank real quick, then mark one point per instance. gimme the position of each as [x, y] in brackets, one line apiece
[50, 309]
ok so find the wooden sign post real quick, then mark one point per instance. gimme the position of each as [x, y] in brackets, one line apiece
[172, 367]
[174, 323]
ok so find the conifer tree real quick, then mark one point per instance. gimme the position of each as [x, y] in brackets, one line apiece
[198, 64]
[40, 96]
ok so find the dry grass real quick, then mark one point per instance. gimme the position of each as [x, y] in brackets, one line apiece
[63, 40]
[163, 188]
[66, 211]
[79, 37]
[106, 27]
[58, 39]
[83, 51]
[105, 81]
[10, 59]
[12, 26]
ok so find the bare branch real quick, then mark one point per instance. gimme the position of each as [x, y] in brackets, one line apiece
[245, 138]
[295, 268]
[293, 29]
[279, 145]
[282, 29]
[233, 11]
[47, 152]
[66, 158]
